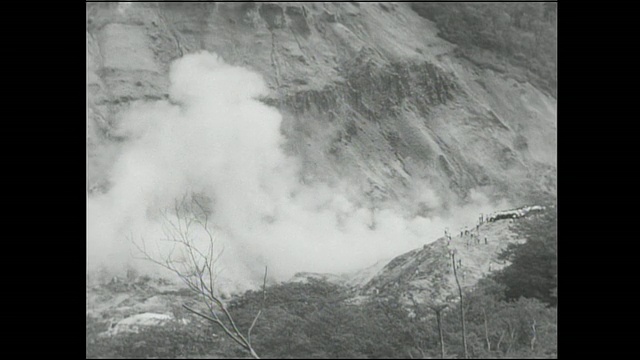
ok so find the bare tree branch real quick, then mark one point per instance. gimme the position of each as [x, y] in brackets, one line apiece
[196, 267]
[264, 298]
[464, 336]
[534, 335]
[486, 330]
[502, 334]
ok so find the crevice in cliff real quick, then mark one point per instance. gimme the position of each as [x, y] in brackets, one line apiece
[304, 53]
[178, 46]
[276, 67]
[404, 167]
[172, 33]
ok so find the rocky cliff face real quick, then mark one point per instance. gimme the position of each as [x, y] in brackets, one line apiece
[368, 93]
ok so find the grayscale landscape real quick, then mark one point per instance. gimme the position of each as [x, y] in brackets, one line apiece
[321, 180]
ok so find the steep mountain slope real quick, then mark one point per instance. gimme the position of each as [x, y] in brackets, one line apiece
[427, 273]
[368, 92]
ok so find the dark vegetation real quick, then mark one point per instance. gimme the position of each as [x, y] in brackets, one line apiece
[518, 38]
[314, 321]
[168, 341]
[534, 269]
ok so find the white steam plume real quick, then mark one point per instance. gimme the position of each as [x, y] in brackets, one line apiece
[216, 139]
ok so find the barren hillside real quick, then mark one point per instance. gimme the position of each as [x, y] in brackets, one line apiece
[368, 92]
